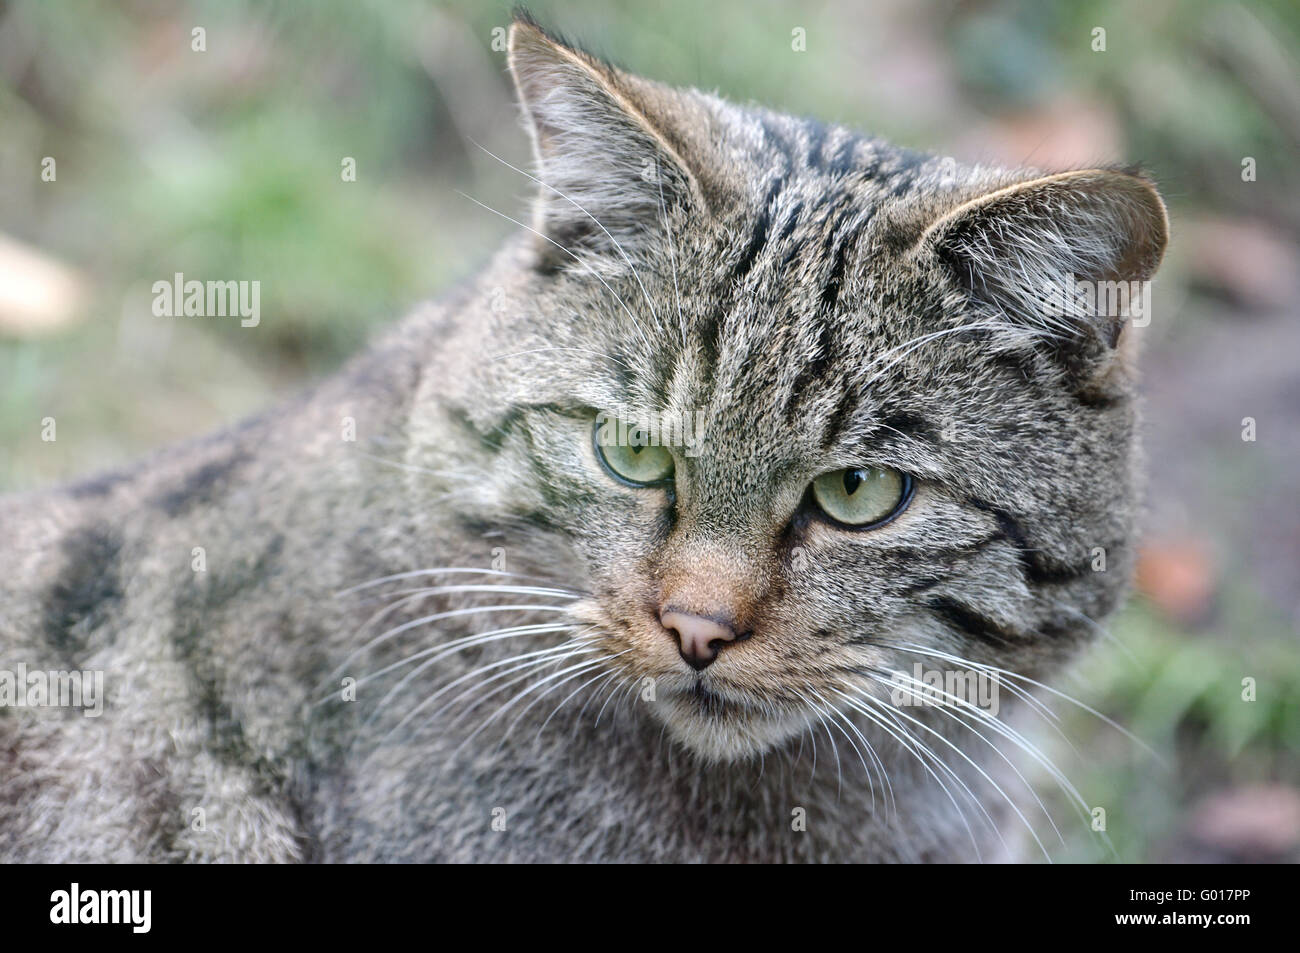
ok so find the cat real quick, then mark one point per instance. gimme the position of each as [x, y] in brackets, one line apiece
[636, 547]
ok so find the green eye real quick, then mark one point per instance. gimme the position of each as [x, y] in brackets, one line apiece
[862, 496]
[629, 456]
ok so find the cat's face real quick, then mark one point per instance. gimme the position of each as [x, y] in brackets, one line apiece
[877, 446]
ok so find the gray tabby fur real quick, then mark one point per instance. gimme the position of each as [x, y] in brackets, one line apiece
[786, 277]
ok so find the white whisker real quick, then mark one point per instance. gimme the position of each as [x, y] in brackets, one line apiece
[645, 339]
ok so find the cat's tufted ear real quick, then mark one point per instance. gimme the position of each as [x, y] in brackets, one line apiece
[610, 147]
[1066, 255]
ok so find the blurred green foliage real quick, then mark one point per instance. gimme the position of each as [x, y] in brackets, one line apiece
[1182, 697]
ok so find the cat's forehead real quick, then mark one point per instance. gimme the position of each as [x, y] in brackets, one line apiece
[773, 388]
[793, 177]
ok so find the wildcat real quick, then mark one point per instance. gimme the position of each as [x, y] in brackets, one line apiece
[464, 601]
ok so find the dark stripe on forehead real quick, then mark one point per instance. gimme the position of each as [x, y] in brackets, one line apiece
[903, 423]
[921, 584]
[763, 224]
[1022, 364]
[843, 244]
[811, 374]
[708, 329]
[758, 234]
[840, 417]
[707, 332]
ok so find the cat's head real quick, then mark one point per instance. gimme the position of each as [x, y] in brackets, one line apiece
[888, 435]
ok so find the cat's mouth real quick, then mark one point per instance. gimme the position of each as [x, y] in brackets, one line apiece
[720, 724]
[710, 701]
[730, 711]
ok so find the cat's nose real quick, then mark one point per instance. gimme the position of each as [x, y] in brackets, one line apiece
[699, 637]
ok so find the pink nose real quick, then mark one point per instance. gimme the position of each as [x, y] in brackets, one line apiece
[698, 636]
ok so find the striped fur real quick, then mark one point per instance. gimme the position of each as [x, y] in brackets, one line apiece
[827, 301]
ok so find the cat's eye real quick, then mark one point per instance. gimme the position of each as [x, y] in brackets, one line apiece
[631, 456]
[862, 497]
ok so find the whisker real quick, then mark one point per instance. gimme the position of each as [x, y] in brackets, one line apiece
[595, 274]
[540, 350]
[613, 689]
[429, 663]
[863, 704]
[1047, 688]
[519, 717]
[1100, 629]
[633, 680]
[440, 570]
[617, 245]
[984, 774]
[839, 773]
[1002, 728]
[948, 711]
[525, 660]
[426, 591]
[437, 617]
[416, 468]
[533, 661]
[606, 676]
[875, 758]
[527, 670]
[445, 649]
[577, 668]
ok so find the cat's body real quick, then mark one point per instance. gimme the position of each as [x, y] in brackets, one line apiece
[778, 276]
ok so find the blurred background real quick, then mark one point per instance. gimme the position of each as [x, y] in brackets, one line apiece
[225, 163]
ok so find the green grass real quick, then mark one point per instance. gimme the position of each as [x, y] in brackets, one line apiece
[1180, 694]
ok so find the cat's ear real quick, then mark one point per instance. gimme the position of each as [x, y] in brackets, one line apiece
[609, 147]
[1064, 255]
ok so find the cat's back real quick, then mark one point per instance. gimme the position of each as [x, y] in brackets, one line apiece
[151, 590]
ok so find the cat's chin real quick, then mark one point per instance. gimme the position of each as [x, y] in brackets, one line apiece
[719, 732]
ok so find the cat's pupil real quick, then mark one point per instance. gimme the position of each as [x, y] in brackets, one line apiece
[851, 480]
